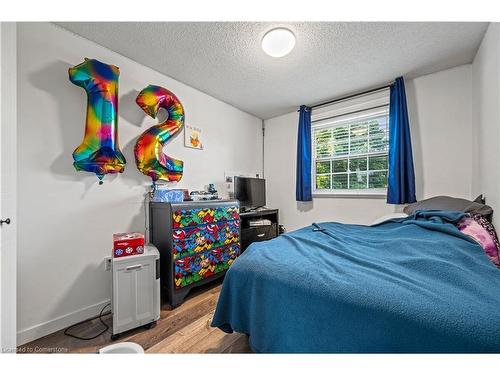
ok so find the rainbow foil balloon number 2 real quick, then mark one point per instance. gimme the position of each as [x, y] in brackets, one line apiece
[99, 152]
[148, 150]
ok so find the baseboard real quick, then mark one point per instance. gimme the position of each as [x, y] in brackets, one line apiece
[56, 324]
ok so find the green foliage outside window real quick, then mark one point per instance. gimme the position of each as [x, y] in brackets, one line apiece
[323, 181]
[336, 151]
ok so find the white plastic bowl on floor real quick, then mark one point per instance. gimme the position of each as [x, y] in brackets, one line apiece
[122, 348]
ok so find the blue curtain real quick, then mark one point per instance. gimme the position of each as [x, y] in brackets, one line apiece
[401, 181]
[303, 191]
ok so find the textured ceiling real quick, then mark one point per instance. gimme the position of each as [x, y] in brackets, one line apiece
[330, 59]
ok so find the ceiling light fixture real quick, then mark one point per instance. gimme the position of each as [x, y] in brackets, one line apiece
[278, 42]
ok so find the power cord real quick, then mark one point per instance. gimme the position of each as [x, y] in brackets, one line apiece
[101, 314]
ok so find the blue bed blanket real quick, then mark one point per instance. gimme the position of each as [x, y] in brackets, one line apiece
[407, 285]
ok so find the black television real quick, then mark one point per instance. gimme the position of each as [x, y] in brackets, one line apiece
[250, 191]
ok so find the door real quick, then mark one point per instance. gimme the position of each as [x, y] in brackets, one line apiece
[8, 167]
[132, 293]
[145, 276]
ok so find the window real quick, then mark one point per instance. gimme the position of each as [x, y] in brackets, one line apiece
[350, 152]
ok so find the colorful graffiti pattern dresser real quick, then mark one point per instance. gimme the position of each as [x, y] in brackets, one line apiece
[198, 242]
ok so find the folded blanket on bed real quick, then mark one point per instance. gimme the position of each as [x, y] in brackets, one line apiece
[413, 284]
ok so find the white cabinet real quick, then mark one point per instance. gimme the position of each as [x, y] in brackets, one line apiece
[136, 290]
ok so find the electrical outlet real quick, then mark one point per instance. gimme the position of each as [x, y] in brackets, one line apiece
[107, 263]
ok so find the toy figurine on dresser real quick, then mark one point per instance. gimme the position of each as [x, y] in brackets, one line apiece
[198, 242]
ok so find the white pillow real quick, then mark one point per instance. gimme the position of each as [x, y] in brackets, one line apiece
[395, 215]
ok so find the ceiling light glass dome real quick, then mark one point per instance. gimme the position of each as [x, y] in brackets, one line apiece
[278, 42]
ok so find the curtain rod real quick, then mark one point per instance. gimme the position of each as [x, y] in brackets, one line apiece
[352, 95]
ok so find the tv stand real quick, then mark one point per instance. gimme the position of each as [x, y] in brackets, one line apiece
[256, 209]
[258, 233]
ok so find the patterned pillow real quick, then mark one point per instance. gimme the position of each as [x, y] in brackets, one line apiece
[483, 232]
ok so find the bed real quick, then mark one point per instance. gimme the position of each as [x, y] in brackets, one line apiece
[407, 285]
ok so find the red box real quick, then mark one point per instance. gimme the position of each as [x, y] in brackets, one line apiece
[125, 244]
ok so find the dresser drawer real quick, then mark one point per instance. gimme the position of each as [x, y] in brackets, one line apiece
[194, 240]
[197, 267]
[257, 234]
[192, 217]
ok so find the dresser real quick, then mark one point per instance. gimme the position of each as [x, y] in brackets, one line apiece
[198, 242]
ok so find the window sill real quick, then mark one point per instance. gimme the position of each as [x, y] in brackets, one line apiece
[376, 194]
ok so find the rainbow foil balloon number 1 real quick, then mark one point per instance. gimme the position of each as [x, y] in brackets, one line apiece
[148, 150]
[99, 152]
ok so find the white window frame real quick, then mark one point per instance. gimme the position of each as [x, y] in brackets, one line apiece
[340, 113]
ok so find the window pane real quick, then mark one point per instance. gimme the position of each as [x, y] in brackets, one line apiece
[340, 149]
[339, 181]
[323, 135]
[378, 144]
[359, 145]
[359, 138]
[378, 124]
[377, 162]
[323, 143]
[378, 180]
[341, 133]
[378, 134]
[357, 180]
[323, 167]
[357, 164]
[323, 181]
[340, 165]
[323, 149]
[359, 129]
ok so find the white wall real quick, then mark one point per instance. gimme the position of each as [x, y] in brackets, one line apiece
[66, 219]
[440, 111]
[486, 118]
[440, 120]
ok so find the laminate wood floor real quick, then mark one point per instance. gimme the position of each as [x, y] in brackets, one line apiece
[185, 329]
